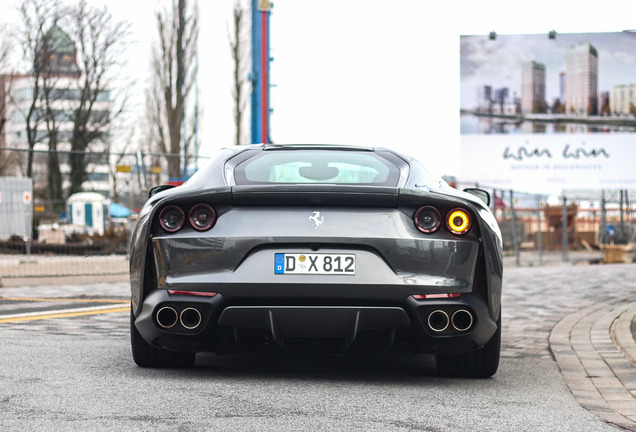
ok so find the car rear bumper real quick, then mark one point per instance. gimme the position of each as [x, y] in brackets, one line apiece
[215, 324]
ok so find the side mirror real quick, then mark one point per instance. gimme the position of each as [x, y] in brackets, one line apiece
[156, 189]
[479, 193]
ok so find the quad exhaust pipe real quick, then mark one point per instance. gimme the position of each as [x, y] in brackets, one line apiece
[190, 318]
[461, 320]
[438, 320]
[167, 317]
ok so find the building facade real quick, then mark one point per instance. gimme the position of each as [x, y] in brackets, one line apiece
[484, 99]
[623, 99]
[581, 80]
[533, 88]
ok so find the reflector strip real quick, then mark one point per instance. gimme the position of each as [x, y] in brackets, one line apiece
[435, 296]
[192, 293]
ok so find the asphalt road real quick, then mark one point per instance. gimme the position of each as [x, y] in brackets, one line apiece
[76, 372]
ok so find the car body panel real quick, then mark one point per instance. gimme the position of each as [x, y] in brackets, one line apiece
[384, 241]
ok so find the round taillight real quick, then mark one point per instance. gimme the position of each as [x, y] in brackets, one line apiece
[427, 219]
[202, 217]
[172, 218]
[458, 221]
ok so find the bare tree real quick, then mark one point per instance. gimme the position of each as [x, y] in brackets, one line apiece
[8, 160]
[100, 42]
[43, 42]
[52, 119]
[174, 70]
[69, 72]
[154, 137]
[116, 161]
[237, 39]
[37, 18]
[55, 92]
[5, 77]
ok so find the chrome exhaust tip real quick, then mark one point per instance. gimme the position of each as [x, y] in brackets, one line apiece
[190, 318]
[167, 317]
[438, 320]
[462, 320]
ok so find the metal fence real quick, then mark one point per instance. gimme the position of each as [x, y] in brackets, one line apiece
[47, 246]
[589, 226]
[42, 238]
[595, 226]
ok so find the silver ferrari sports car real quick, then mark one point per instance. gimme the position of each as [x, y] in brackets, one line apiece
[316, 248]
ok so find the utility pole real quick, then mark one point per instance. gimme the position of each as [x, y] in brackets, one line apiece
[196, 100]
[259, 75]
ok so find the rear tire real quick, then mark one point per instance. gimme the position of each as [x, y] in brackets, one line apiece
[480, 363]
[146, 355]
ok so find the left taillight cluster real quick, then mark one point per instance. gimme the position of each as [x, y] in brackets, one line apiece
[201, 217]
[428, 219]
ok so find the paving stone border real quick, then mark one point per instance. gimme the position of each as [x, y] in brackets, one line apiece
[594, 349]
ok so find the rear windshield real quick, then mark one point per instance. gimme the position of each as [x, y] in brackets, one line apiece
[317, 167]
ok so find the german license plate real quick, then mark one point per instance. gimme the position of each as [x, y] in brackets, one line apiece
[331, 264]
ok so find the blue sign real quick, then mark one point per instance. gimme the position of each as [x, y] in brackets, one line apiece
[610, 230]
[279, 262]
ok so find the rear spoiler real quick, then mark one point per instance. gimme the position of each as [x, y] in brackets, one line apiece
[321, 195]
[354, 196]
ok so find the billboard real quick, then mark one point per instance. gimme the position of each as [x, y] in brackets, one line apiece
[543, 114]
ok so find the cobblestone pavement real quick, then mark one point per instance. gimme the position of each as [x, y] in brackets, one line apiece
[594, 350]
[580, 315]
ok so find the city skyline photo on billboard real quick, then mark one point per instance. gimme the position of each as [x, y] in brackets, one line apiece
[573, 83]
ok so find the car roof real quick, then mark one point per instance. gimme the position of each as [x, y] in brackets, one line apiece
[315, 147]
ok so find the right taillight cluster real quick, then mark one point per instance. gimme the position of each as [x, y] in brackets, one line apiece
[428, 220]
[172, 218]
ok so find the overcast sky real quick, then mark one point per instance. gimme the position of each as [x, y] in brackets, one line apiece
[360, 71]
